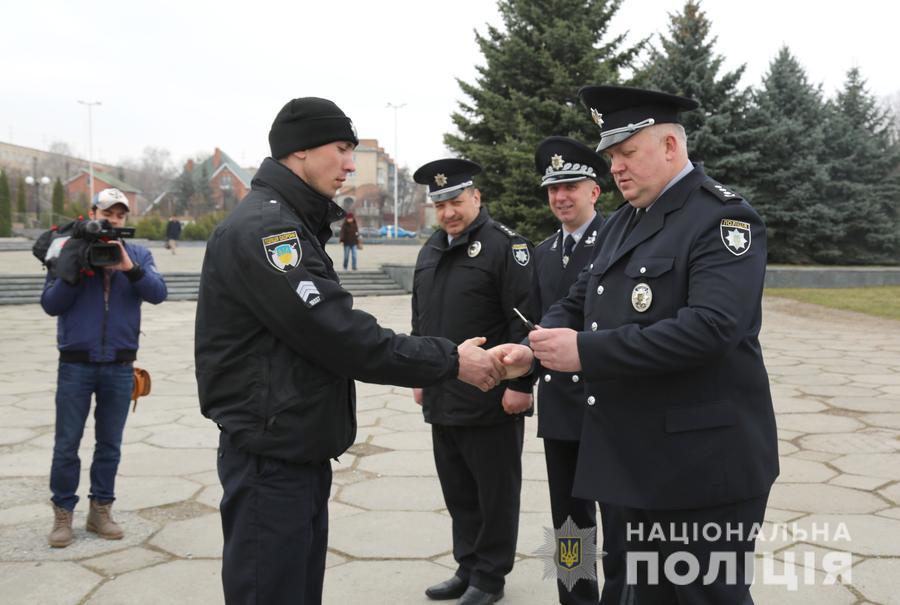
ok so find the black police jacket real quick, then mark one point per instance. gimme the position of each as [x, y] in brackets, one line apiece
[278, 342]
[678, 409]
[561, 394]
[469, 289]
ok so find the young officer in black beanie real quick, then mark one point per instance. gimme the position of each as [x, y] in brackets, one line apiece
[278, 345]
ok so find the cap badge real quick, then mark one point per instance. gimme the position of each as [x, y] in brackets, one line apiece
[556, 161]
[641, 297]
[590, 240]
[440, 179]
[597, 117]
[474, 247]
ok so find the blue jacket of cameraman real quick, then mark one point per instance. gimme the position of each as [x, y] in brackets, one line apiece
[92, 327]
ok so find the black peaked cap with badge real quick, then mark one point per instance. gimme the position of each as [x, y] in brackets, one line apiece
[446, 178]
[621, 111]
[565, 160]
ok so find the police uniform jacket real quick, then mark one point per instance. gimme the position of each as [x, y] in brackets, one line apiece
[278, 342]
[561, 394]
[678, 409]
[469, 289]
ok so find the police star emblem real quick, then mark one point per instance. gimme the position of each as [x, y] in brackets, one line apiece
[569, 553]
[735, 235]
[521, 254]
[641, 297]
[283, 250]
[597, 117]
[556, 161]
[440, 179]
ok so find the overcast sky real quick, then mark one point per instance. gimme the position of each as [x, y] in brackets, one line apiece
[190, 75]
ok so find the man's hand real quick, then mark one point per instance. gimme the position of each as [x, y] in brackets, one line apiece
[417, 395]
[515, 402]
[556, 348]
[125, 263]
[477, 366]
[516, 359]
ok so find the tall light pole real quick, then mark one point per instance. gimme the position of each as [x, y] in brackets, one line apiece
[396, 163]
[90, 104]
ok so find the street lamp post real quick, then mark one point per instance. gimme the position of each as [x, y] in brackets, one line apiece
[396, 165]
[37, 182]
[90, 104]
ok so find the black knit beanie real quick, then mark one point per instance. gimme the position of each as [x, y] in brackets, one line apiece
[306, 123]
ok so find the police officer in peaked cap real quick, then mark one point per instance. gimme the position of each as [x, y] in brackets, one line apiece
[570, 172]
[469, 277]
[663, 328]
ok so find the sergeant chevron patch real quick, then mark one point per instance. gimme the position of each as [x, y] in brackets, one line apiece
[308, 293]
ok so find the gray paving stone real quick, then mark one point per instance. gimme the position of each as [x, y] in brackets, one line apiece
[123, 561]
[391, 534]
[25, 513]
[785, 405]
[882, 420]
[817, 423]
[395, 493]
[786, 448]
[840, 391]
[893, 513]
[852, 443]
[45, 584]
[535, 497]
[815, 456]
[10, 436]
[534, 466]
[145, 460]
[173, 583]
[794, 470]
[870, 535]
[410, 421]
[400, 464]
[135, 493]
[858, 481]
[386, 583]
[877, 580]
[28, 541]
[193, 538]
[185, 437]
[823, 499]
[872, 465]
[866, 404]
[25, 462]
[891, 492]
[410, 440]
[211, 496]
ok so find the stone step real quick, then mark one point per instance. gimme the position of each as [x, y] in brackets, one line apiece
[26, 289]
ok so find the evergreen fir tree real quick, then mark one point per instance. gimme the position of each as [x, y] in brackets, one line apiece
[686, 64]
[788, 178]
[59, 200]
[864, 183]
[5, 206]
[527, 90]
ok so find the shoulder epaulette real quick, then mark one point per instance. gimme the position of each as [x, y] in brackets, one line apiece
[551, 238]
[505, 230]
[723, 193]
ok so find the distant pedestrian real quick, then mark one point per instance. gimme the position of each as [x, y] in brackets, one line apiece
[173, 232]
[350, 238]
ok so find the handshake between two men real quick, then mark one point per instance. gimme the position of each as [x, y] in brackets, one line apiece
[555, 348]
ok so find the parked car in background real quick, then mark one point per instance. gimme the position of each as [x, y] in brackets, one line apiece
[388, 231]
[369, 232]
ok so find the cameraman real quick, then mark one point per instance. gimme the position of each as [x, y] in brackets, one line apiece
[97, 336]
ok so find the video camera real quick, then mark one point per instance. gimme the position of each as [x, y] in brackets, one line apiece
[102, 251]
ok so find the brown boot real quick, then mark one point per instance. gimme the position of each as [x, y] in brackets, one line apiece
[100, 521]
[62, 535]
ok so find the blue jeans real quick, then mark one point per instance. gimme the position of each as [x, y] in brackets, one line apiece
[350, 251]
[76, 382]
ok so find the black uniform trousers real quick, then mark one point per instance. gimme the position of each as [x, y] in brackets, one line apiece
[561, 457]
[719, 588]
[275, 524]
[480, 469]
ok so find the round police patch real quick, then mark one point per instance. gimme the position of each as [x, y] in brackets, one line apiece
[735, 236]
[283, 250]
[474, 249]
[521, 254]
